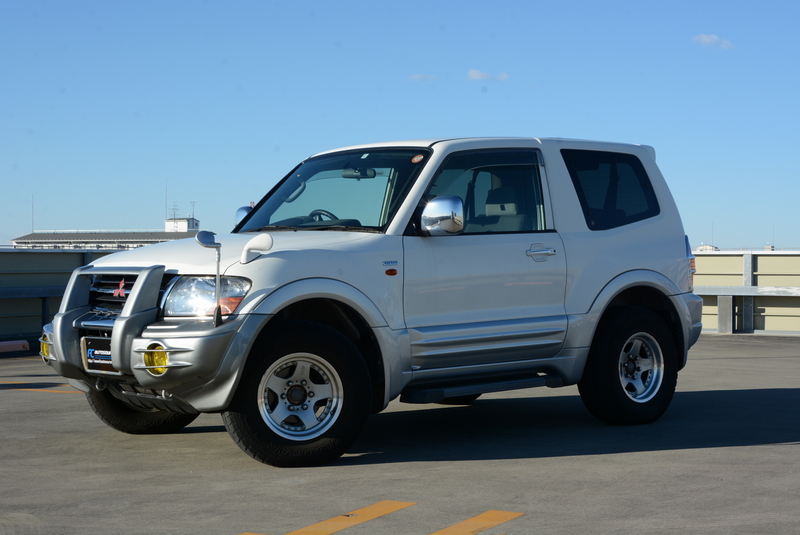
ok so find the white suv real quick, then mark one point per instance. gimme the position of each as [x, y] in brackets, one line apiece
[432, 270]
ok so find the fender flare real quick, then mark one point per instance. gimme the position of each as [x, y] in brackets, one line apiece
[318, 288]
[219, 397]
[340, 292]
[582, 327]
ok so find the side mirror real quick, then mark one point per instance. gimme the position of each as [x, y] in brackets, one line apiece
[206, 239]
[443, 216]
[241, 213]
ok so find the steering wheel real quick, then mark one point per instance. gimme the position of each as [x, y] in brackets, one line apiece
[316, 215]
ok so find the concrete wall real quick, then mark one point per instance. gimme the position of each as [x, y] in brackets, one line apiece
[749, 291]
[31, 285]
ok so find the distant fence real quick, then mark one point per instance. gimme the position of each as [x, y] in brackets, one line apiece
[32, 283]
[749, 291]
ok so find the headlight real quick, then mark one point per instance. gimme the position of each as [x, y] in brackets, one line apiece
[194, 296]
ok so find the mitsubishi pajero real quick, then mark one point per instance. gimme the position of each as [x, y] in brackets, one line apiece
[433, 271]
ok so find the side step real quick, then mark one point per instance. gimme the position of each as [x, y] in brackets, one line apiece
[434, 392]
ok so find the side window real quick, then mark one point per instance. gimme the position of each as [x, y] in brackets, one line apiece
[501, 189]
[613, 188]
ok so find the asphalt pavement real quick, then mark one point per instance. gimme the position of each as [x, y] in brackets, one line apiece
[723, 459]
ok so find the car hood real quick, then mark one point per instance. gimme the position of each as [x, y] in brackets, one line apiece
[189, 257]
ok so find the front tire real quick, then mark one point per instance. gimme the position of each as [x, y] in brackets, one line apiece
[122, 417]
[632, 369]
[304, 398]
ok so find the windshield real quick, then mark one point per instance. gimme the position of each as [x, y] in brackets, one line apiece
[359, 190]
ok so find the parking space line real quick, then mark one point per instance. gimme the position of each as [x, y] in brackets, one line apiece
[479, 523]
[359, 516]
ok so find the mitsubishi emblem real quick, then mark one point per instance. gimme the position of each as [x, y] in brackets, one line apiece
[120, 292]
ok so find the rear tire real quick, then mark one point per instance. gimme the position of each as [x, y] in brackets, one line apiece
[632, 369]
[122, 417]
[304, 398]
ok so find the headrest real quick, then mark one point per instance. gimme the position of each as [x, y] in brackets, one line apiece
[501, 209]
[501, 201]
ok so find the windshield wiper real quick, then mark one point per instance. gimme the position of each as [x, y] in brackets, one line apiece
[270, 227]
[345, 228]
[340, 228]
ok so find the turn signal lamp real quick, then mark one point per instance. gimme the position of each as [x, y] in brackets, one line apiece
[228, 305]
[158, 357]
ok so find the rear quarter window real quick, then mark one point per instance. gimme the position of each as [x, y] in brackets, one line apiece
[612, 187]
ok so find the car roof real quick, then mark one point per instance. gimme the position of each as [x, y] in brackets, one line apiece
[466, 143]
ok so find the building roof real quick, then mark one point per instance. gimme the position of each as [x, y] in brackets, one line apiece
[92, 239]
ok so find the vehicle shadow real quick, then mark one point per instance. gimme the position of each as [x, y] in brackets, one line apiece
[561, 426]
[31, 385]
[202, 429]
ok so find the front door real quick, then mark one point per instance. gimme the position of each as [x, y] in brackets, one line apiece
[496, 292]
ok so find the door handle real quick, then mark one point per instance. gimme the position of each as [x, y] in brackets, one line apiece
[539, 252]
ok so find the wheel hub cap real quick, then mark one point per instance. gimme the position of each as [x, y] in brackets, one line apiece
[296, 395]
[300, 396]
[641, 367]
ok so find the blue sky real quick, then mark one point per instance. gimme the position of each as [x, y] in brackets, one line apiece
[113, 112]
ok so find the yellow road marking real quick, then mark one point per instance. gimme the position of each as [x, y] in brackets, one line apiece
[338, 523]
[353, 518]
[479, 523]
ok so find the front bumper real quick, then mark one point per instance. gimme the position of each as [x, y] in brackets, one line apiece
[203, 360]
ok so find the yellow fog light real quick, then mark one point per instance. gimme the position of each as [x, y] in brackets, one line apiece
[158, 357]
[45, 346]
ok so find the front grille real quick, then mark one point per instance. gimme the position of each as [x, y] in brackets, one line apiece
[109, 292]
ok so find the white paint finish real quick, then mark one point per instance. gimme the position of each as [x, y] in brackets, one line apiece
[482, 286]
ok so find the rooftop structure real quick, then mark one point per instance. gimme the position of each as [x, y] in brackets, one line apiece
[174, 229]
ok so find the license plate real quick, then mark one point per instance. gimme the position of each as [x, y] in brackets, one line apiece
[97, 354]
